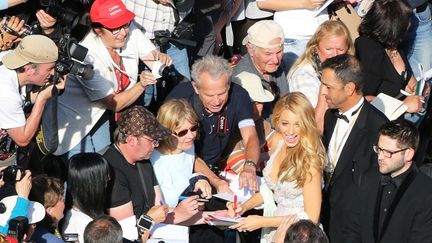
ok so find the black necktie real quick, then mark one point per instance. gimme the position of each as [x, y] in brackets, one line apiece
[342, 116]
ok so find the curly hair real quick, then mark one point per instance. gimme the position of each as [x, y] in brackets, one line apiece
[310, 152]
[327, 28]
[387, 22]
[172, 115]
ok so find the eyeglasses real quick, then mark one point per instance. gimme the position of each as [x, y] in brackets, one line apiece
[182, 133]
[386, 152]
[154, 142]
[117, 30]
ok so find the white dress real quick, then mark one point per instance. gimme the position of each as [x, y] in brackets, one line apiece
[288, 198]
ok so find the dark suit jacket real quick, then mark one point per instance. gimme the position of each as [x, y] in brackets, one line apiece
[409, 218]
[356, 157]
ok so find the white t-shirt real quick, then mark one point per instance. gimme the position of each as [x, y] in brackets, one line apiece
[253, 12]
[173, 172]
[299, 23]
[11, 101]
[75, 222]
[78, 110]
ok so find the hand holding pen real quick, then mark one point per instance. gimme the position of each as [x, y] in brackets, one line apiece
[234, 208]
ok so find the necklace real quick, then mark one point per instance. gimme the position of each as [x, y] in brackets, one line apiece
[392, 53]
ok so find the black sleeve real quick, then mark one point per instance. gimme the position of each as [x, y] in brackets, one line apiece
[371, 57]
[119, 193]
[351, 231]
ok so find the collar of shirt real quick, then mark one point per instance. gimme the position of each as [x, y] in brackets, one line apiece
[354, 110]
[399, 179]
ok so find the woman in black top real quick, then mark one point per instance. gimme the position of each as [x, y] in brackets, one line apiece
[385, 66]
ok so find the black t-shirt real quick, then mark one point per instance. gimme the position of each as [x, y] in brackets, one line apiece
[126, 185]
[215, 145]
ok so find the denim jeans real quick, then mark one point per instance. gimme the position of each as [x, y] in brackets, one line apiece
[293, 49]
[95, 141]
[180, 60]
[180, 63]
[418, 48]
[418, 42]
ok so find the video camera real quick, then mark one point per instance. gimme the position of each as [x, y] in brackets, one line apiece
[71, 56]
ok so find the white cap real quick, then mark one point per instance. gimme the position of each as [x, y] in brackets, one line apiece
[35, 210]
[252, 84]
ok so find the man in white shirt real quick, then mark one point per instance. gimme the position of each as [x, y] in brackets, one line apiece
[30, 64]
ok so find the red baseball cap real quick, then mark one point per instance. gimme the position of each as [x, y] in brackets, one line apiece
[110, 13]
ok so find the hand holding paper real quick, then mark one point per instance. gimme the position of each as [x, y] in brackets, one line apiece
[250, 223]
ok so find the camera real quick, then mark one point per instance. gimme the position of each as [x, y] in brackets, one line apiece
[65, 16]
[10, 173]
[71, 56]
[70, 238]
[165, 72]
[18, 226]
[145, 223]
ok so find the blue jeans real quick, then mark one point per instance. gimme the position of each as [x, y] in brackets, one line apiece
[293, 49]
[419, 41]
[180, 60]
[419, 49]
[181, 64]
[95, 141]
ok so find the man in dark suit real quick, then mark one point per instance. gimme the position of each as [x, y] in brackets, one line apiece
[350, 129]
[394, 203]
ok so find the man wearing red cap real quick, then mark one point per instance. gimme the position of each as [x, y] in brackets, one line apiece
[115, 46]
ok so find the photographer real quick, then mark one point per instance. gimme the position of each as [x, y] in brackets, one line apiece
[28, 68]
[22, 188]
[115, 45]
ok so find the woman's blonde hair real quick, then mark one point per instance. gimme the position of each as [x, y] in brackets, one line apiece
[329, 27]
[310, 151]
[172, 115]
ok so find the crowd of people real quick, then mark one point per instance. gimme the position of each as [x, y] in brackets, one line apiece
[117, 116]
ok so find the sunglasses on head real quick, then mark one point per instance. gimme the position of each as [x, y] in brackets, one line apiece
[182, 133]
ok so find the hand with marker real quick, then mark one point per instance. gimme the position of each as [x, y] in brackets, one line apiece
[235, 209]
[187, 208]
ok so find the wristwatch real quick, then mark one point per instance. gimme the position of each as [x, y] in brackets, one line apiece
[145, 223]
[250, 162]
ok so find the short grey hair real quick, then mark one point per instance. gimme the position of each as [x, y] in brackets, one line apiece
[215, 66]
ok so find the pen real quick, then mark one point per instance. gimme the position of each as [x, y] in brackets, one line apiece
[408, 94]
[235, 205]
[199, 199]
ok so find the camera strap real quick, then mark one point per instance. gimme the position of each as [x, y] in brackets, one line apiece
[122, 78]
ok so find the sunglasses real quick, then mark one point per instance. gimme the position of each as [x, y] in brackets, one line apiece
[182, 133]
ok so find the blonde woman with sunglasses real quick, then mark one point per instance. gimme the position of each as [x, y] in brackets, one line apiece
[173, 161]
